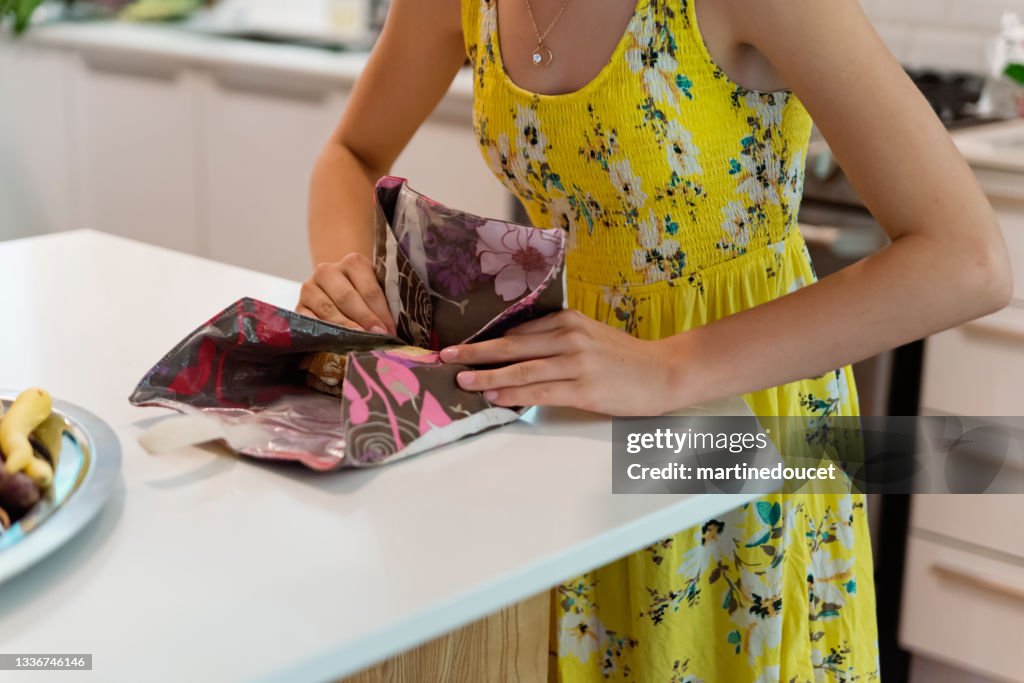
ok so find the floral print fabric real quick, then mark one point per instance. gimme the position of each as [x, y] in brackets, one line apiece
[678, 191]
[451, 277]
[448, 276]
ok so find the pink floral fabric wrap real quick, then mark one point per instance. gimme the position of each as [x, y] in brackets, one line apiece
[449, 277]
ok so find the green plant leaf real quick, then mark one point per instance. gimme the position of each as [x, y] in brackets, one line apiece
[1015, 72]
[20, 13]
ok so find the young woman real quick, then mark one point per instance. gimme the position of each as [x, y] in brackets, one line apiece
[668, 138]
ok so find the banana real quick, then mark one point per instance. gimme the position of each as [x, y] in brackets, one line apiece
[40, 472]
[51, 434]
[26, 413]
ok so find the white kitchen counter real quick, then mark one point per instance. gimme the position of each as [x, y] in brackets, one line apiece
[998, 146]
[996, 153]
[206, 567]
[171, 42]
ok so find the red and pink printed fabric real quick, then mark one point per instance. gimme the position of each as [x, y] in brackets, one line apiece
[449, 277]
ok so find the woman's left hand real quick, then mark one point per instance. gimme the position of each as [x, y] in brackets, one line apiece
[568, 359]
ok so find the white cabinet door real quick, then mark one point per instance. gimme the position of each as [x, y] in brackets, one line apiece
[35, 140]
[261, 135]
[978, 368]
[1011, 220]
[444, 162]
[136, 141]
[963, 608]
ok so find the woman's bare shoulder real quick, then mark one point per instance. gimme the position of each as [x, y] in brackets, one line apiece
[442, 15]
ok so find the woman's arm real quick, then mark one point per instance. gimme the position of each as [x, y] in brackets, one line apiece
[418, 54]
[947, 262]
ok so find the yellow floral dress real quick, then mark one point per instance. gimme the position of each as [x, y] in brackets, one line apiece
[680, 190]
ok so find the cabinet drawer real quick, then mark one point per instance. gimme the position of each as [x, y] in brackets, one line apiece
[991, 521]
[1009, 206]
[963, 608]
[977, 368]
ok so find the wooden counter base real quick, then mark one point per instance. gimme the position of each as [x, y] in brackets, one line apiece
[510, 646]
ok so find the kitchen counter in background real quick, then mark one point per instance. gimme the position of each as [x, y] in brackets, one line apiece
[198, 143]
[207, 567]
[995, 147]
[134, 42]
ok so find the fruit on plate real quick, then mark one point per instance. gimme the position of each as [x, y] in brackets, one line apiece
[18, 493]
[47, 438]
[30, 439]
[28, 412]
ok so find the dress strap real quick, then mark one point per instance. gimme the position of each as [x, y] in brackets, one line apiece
[471, 12]
[691, 36]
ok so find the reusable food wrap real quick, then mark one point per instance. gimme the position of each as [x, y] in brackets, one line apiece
[449, 277]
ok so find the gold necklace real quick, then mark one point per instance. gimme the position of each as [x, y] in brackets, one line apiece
[543, 56]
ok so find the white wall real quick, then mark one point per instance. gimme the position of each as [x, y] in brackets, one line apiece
[948, 34]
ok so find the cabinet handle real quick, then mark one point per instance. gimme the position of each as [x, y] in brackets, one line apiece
[985, 583]
[119, 63]
[275, 84]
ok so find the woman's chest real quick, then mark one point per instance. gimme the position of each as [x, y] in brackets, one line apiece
[558, 46]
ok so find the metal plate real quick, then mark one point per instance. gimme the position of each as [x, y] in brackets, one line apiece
[87, 473]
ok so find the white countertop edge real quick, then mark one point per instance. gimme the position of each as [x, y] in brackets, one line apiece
[187, 48]
[976, 144]
[482, 600]
[89, 233]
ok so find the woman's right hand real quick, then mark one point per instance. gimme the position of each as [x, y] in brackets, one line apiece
[346, 293]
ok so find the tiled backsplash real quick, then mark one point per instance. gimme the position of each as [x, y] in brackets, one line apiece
[947, 34]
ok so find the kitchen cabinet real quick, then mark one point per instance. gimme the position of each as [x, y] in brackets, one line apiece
[989, 522]
[977, 369]
[35, 140]
[260, 137]
[138, 153]
[444, 162]
[963, 598]
[199, 144]
[964, 609]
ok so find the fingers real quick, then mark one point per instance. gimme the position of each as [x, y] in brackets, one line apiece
[520, 374]
[350, 303]
[313, 299]
[510, 349]
[519, 347]
[342, 293]
[554, 321]
[360, 273]
[560, 393]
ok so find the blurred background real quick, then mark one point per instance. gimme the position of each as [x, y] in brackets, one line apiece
[194, 126]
